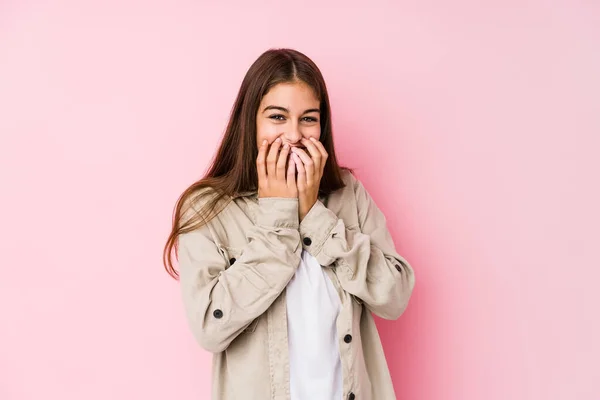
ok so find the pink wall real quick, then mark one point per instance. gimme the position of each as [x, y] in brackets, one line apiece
[474, 127]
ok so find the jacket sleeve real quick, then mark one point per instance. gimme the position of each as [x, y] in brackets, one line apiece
[366, 260]
[221, 302]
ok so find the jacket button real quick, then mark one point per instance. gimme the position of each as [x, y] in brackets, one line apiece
[307, 241]
[218, 314]
[351, 396]
[398, 268]
[232, 260]
[348, 338]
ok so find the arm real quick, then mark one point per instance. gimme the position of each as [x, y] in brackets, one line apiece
[220, 303]
[368, 265]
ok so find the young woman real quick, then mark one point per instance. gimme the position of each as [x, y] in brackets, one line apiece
[282, 253]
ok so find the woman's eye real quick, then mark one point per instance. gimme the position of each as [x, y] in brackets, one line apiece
[279, 117]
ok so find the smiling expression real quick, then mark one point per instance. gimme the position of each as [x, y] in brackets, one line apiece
[289, 111]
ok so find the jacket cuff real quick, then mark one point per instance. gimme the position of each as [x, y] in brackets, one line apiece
[277, 212]
[316, 228]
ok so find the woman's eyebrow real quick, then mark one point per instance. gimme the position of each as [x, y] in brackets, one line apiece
[287, 111]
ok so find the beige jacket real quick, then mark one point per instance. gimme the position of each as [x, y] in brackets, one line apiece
[235, 269]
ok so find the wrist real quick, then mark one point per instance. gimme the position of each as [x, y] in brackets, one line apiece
[305, 207]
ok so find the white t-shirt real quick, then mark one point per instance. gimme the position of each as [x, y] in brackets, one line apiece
[312, 309]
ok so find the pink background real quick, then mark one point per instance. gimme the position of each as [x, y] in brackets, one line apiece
[474, 125]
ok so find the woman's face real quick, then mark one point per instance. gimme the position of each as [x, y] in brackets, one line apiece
[289, 111]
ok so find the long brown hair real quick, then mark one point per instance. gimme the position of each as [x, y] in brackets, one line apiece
[233, 169]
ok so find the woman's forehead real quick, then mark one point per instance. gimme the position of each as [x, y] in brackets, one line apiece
[290, 96]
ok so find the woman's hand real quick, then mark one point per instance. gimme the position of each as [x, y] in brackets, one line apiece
[310, 171]
[273, 179]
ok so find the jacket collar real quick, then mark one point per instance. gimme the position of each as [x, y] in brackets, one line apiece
[248, 193]
[253, 194]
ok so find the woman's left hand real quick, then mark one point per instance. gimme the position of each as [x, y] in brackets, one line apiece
[310, 171]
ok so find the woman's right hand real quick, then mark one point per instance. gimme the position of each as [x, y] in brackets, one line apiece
[273, 178]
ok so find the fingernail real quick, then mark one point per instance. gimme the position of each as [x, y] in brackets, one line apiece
[286, 146]
[264, 142]
[278, 140]
[313, 139]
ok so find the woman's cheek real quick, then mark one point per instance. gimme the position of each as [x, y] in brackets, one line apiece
[316, 133]
[267, 132]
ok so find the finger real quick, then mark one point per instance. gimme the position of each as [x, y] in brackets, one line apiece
[324, 154]
[315, 154]
[272, 158]
[283, 156]
[307, 165]
[260, 162]
[301, 180]
[291, 174]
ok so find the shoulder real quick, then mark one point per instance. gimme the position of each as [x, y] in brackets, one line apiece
[202, 204]
[349, 179]
[352, 182]
[353, 191]
[202, 197]
[356, 190]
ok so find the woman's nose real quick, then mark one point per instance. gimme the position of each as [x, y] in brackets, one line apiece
[292, 135]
